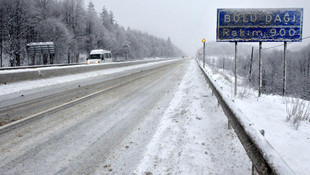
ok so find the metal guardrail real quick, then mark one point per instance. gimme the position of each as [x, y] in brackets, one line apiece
[16, 75]
[40, 66]
[263, 156]
[69, 64]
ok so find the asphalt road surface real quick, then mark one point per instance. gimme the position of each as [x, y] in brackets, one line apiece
[86, 128]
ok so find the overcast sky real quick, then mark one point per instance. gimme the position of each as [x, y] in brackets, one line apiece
[188, 21]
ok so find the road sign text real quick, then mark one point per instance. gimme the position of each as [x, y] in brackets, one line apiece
[252, 25]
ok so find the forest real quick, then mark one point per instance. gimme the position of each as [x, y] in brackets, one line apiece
[75, 29]
[221, 55]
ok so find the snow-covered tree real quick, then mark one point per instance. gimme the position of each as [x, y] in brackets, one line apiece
[74, 30]
[55, 31]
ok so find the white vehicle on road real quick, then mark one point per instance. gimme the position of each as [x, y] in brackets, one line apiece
[99, 56]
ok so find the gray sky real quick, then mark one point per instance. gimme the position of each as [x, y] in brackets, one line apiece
[188, 21]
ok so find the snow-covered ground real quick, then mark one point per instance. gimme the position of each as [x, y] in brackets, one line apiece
[192, 137]
[269, 112]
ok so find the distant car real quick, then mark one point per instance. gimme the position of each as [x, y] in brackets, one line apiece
[99, 56]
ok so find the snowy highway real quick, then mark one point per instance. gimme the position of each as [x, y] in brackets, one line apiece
[157, 119]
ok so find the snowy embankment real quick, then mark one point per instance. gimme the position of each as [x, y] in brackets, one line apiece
[269, 112]
[192, 137]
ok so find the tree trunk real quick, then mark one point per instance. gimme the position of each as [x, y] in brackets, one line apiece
[52, 58]
[18, 60]
[1, 36]
[1, 50]
[33, 59]
[77, 57]
[68, 58]
[45, 59]
[12, 60]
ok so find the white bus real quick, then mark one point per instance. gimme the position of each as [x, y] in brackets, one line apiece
[99, 56]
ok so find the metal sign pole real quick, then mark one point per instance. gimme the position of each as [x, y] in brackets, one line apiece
[284, 69]
[251, 63]
[260, 70]
[236, 57]
[204, 54]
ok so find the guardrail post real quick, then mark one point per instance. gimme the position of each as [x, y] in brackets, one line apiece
[229, 125]
[262, 132]
[254, 172]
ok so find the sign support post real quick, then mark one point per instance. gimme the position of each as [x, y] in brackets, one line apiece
[204, 52]
[284, 69]
[42, 48]
[260, 70]
[236, 61]
[251, 63]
